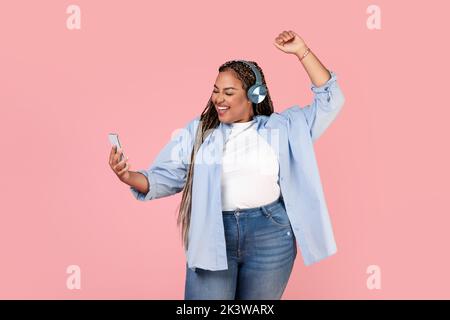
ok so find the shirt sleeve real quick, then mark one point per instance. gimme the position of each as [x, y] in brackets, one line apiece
[167, 174]
[328, 100]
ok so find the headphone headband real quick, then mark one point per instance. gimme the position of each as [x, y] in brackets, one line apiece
[255, 71]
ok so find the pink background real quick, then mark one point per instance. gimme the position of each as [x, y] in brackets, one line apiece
[143, 69]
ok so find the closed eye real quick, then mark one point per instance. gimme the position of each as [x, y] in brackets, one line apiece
[228, 94]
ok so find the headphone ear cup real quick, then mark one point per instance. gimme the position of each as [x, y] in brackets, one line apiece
[257, 93]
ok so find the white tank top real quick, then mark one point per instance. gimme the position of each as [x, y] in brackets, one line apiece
[249, 169]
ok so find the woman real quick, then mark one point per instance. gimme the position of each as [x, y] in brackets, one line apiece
[250, 182]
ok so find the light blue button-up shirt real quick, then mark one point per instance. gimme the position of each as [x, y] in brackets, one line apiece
[291, 133]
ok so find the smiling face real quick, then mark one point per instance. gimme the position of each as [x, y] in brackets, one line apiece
[229, 95]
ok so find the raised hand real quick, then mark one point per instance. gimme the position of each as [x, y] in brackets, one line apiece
[290, 42]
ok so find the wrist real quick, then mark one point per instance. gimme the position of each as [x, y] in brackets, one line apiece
[301, 52]
[126, 178]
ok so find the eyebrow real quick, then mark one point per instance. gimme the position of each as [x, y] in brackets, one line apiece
[226, 87]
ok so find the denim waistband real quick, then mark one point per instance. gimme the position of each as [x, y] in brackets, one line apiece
[249, 210]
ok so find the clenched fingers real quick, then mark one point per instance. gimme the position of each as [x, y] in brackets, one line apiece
[285, 36]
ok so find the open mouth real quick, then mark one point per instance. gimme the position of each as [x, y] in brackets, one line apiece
[221, 110]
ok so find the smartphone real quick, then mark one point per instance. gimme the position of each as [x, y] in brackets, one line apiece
[114, 139]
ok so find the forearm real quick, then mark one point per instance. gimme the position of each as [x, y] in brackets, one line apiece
[138, 181]
[318, 74]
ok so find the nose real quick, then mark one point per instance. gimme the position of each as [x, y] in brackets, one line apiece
[219, 99]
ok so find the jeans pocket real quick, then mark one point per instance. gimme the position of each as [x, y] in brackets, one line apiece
[278, 216]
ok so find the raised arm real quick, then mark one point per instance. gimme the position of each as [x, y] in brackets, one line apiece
[328, 97]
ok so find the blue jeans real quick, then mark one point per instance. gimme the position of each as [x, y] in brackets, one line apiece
[261, 250]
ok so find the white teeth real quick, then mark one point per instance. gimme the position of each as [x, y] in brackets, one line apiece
[223, 108]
